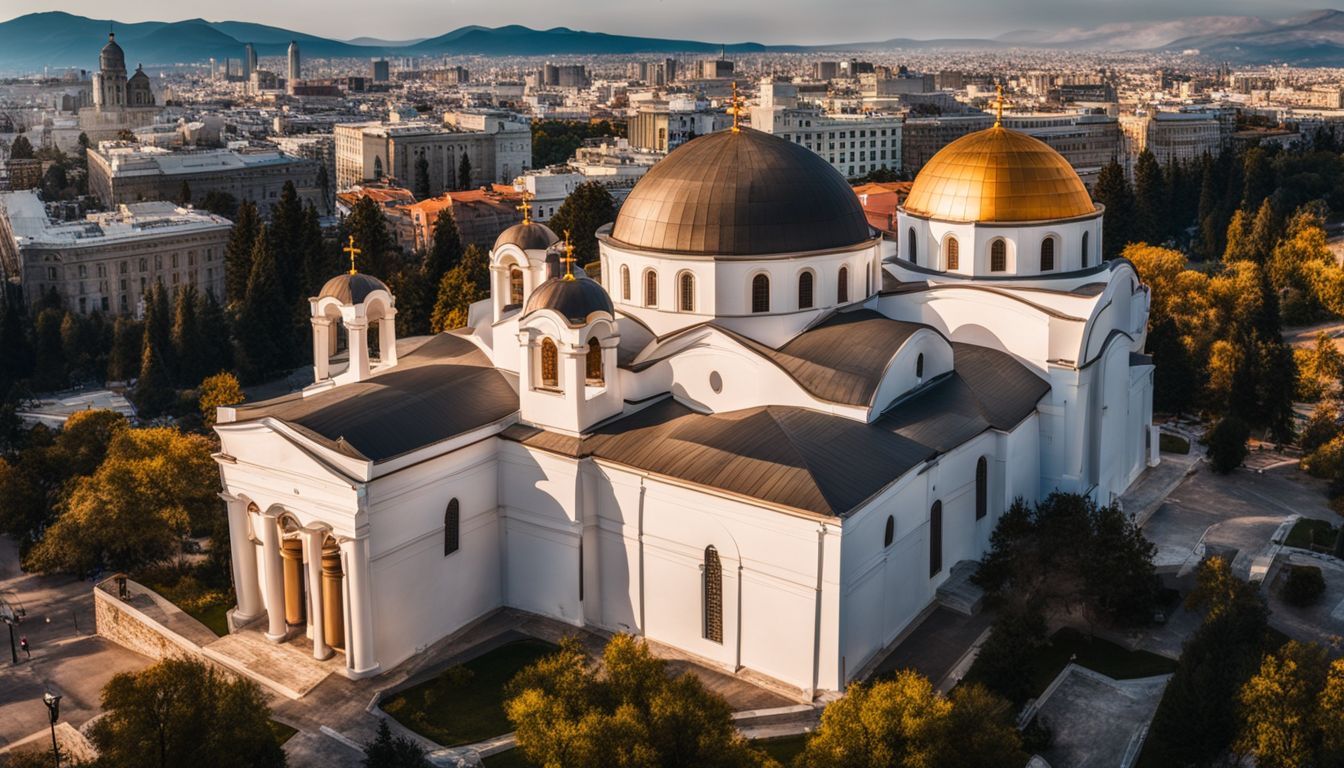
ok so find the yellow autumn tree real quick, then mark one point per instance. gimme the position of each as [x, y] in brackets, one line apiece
[222, 389]
[1278, 707]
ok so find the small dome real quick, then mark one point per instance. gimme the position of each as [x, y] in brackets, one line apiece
[112, 57]
[351, 289]
[998, 175]
[139, 76]
[741, 194]
[575, 299]
[531, 236]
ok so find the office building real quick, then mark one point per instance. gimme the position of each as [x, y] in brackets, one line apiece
[498, 147]
[125, 172]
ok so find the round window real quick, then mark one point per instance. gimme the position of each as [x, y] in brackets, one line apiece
[715, 382]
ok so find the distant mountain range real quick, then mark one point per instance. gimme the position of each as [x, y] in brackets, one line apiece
[57, 39]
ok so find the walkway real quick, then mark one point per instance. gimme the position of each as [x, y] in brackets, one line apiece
[287, 668]
[1097, 721]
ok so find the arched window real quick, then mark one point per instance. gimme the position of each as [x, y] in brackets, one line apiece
[650, 288]
[760, 293]
[515, 286]
[625, 283]
[1047, 254]
[686, 291]
[910, 241]
[981, 488]
[550, 364]
[452, 521]
[377, 167]
[953, 251]
[998, 256]
[805, 290]
[842, 286]
[713, 597]
[935, 538]
[1085, 253]
[890, 534]
[594, 364]
[919, 366]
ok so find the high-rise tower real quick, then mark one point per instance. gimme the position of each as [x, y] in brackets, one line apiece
[294, 66]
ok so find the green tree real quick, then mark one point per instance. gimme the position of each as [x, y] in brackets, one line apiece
[421, 188]
[182, 712]
[464, 172]
[317, 264]
[379, 255]
[446, 251]
[84, 439]
[238, 252]
[124, 359]
[16, 350]
[1227, 444]
[461, 286]
[632, 713]
[1176, 380]
[1004, 663]
[324, 185]
[154, 393]
[1257, 178]
[388, 752]
[189, 347]
[184, 194]
[1278, 708]
[287, 241]
[264, 343]
[220, 204]
[154, 486]
[221, 389]
[21, 148]
[1112, 190]
[49, 371]
[1150, 199]
[218, 354]
[585, 210]
[25, 511]
[159, 329]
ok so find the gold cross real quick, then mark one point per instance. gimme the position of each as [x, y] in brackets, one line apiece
[526, 209]
[736, 109]
[353, 251]
[998, 105]
[568, 259]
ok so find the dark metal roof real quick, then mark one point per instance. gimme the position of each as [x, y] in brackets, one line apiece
[743, 193]
[351, 288]
[444, 388]
[806, 459]
[843, 358]
[532, 236]
[575, 299]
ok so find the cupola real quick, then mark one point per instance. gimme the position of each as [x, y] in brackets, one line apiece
[353, 301]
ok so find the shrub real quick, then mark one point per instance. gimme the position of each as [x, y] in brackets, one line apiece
[1227, 444]
[1170, 443]
[1304, 585]
[1320, 429]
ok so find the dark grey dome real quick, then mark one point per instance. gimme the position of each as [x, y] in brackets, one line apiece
[112, 57]
[531, 236]
[741, 193]
[575, 299]
[351, 289]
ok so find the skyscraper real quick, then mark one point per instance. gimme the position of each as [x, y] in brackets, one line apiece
[249, 62]
[380, 71]
[295, 67]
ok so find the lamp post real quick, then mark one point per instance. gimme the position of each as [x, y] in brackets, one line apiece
[11, 613]
[53, 702]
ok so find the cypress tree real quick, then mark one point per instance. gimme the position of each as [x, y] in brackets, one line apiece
[153, 391]
[380, 256]
[286, 233]
[184, 196]
[586, 209]
[49, 357]
[464, 172]
[188, 338]
[421, 188]
[1112, 190]
[21, 148]
[1176, 379]
[217, 354]
[1263, 234]
[159, 328]
[317, 266]
[127, 338]
[446, 251]
[238, 252]
[1149, 200]
[263, 348]
[1257, 178]
[16, 354]
[1207, 213]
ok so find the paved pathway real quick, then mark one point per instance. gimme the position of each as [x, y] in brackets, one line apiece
[1096, 720]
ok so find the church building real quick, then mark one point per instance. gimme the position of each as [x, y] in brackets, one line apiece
[119, 102]
[765, 437]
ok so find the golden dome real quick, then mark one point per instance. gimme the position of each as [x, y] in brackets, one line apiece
[998, 175]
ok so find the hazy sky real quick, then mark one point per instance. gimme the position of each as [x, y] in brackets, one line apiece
[776, 21]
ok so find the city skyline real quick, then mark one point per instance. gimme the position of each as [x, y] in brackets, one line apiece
[783, 22]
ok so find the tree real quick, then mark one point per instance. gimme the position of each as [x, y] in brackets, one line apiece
[189, 347]
[159, 329]
[1149, 200]
[184, 195]
[379, 255]
[16, 351]
[154, 393]
[388, 752]
[220, 204]
[25, 511]
[21, 148]
[217, 353]
[421, 187]
[182, 712]
[82, 444]
[1279, 708]
[1112, 190]
[222, 389]
[124, 359]
[324, 185]
[264, 343]
[1330, 712]
[1004, 664]
[464, 172]
[632, 713]
[1227, 444]
[287, 241]
[1176, 380]
[446, 251]
[50, 370]
[317, 267]
[585, 210]
[154, 486]
[238, 251]
[1257, 178]
[459, 288]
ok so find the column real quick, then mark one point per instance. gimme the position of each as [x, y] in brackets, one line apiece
[312, 553]
[275, 580]
[246, 583]
[291, 555]
[321, 348]
[387, 339]
[357, 334]
[359, 646]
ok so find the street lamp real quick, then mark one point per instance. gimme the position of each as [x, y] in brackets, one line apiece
[53, 702]
[11, 613]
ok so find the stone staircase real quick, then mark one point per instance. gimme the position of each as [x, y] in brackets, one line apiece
[957, 593]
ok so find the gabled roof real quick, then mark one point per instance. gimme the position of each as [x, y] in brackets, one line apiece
[444, 388]
[809, 460]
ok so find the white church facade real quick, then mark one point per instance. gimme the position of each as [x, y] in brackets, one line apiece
[764, 438]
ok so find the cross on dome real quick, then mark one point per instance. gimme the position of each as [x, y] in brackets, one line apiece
[526, 208]
[998, 104]
[353, 251]
[736, 109]
[568, 259]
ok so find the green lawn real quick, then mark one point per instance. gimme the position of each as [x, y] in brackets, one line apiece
[214, 616]
[1096, 654]
[1173, 443]
[783, 749]
[282, 732]
[1306, 532]
[510, 759]
[466, 704]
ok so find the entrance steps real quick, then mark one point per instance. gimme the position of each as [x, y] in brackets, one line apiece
[957, 593]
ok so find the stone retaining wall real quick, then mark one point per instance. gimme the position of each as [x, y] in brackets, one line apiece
[130, 628]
